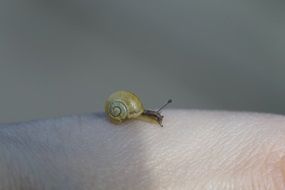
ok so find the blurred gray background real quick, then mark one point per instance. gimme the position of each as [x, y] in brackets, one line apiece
[65, 57]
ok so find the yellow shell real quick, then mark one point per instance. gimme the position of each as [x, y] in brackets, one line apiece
[123, 105]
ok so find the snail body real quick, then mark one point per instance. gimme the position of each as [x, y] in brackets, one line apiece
[125, 105]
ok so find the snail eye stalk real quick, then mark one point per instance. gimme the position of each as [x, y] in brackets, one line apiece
[163, 106]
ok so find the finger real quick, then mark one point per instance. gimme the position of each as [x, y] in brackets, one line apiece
[195, 150]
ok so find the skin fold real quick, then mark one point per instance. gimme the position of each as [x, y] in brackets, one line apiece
[194, 150]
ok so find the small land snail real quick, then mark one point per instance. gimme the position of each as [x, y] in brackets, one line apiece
[125, 105]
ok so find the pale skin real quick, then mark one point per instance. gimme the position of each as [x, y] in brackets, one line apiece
[194, 150]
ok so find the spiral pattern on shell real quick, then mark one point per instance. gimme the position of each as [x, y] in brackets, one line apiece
[118, 110]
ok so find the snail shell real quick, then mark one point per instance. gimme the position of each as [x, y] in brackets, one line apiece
[123, 105]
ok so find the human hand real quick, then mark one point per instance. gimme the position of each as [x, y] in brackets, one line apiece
[194, 150]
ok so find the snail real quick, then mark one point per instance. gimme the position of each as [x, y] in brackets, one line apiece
[125, 105]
